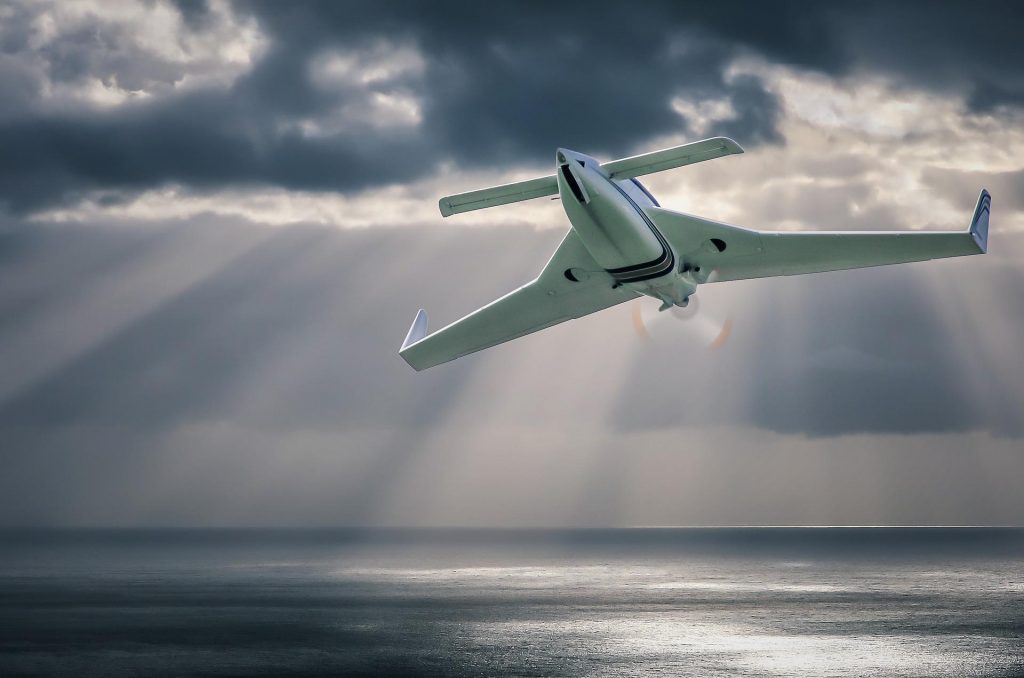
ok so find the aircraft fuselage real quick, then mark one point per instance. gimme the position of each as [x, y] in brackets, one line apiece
[608, 215]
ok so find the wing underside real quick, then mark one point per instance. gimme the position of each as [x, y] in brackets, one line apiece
[734, 253]
[571, 285]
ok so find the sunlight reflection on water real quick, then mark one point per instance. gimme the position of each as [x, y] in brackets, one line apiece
[327, 605]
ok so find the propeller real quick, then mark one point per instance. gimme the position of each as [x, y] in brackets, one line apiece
[676, 322]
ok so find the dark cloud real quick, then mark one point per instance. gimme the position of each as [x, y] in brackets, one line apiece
[498, 86]
[195, 13]
[198, 140]
[960, 48]
[501, 83]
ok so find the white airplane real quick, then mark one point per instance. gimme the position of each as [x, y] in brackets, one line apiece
[622, 244]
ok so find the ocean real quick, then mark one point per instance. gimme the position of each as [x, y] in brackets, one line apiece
[590, 602]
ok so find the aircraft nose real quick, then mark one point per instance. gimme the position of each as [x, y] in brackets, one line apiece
[563, 155]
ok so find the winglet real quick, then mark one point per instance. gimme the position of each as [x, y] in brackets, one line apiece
[979, 222]
[417, 330]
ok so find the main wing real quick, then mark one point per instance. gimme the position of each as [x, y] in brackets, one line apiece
[731, 253]
[571, 285]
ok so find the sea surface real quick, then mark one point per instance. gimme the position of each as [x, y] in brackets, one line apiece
[672, 602]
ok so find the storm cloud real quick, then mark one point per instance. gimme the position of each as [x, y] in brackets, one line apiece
[340, 97]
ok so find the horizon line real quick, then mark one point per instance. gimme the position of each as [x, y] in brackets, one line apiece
[536, 528]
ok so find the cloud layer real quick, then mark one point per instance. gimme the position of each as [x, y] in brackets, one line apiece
[104, 101]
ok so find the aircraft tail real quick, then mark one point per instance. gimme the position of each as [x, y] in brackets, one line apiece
[624, 168]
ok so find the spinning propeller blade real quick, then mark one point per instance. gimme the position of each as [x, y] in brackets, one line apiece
[651, 325]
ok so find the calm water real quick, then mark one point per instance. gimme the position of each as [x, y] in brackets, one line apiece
[751, 602]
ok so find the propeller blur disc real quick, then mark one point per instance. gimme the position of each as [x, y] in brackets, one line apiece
[680, 324]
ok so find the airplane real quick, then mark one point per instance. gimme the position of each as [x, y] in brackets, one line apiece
[622, 244]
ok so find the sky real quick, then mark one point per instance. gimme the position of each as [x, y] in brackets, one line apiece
[217, 221]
